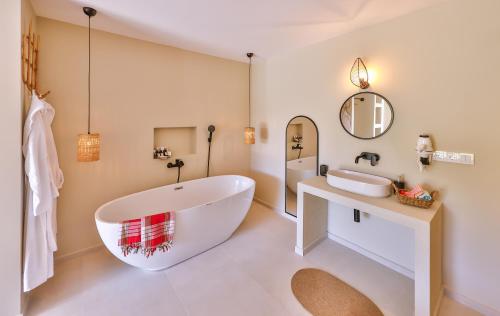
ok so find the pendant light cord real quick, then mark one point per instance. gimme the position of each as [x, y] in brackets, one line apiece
[88, 122]
[249, 91]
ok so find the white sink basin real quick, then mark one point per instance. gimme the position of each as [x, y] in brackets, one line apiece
[360, 183]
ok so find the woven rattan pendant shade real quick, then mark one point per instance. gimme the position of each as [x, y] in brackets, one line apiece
[249, 131]
[89, 147]
[249, 135]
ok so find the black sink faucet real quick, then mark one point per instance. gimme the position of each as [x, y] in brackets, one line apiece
[374, 158]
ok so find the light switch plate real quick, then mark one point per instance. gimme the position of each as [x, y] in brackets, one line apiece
[447, 156]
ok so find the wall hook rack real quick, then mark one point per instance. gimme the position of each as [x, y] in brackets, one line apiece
[29, 61]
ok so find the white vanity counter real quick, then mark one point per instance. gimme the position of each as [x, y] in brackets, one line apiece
[312, 216]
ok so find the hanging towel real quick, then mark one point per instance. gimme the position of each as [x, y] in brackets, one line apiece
[148, 234]
[44, 178]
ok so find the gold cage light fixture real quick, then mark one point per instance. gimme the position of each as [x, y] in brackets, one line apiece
[249, 131]
[89, 145]
[359, 74]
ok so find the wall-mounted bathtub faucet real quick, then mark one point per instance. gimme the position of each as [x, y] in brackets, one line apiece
[178, 164]
[374, 158]
[299, 148]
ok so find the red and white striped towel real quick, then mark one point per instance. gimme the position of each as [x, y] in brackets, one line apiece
[148, 234]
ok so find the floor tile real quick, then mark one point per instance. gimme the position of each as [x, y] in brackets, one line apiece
[249, 274]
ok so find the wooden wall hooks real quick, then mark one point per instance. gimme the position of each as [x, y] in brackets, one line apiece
[29, 55]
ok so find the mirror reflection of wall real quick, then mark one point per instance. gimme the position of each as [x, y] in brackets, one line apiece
[301, 157]
[366, 115]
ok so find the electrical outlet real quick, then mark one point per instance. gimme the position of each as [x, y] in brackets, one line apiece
[446, 156]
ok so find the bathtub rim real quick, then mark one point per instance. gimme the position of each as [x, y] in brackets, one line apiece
[100, 208]
[295, 161]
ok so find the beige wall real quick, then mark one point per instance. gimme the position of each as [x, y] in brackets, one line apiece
[136, 86]
[10, 158]
[437, 67]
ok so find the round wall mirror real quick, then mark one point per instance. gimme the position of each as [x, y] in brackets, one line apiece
[301, 154]
[366, 115]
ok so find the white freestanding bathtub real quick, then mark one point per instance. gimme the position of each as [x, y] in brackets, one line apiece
[207, 212]
[298, 170]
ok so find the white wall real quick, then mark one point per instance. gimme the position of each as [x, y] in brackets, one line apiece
[437, 67]
[10, 158]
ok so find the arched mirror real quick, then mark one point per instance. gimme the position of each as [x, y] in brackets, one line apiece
[366, 115]
[301, 157]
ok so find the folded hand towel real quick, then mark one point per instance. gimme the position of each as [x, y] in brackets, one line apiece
[149, 233]
[413, 193]
[425, 196]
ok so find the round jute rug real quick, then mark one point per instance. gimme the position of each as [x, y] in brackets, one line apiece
[322, 294]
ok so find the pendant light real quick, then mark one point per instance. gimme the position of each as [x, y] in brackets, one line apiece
[89, 145]
[359, 74]
[249, 131]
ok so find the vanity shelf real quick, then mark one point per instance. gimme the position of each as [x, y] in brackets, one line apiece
[312, 217]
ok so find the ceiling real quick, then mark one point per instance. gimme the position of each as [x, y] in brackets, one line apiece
[230, 28]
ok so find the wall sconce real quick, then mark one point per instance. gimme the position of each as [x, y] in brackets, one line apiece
[359, 74]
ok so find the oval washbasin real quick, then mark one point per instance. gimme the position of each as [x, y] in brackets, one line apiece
[360, 183]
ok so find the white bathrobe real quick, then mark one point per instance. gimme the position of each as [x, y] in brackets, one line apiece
[43, 181]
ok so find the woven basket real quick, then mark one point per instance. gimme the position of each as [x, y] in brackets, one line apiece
[413, 201]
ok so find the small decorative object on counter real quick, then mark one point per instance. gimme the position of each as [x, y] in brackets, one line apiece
[416, 197]
[162, 153]
[323, 170]
[400, 182]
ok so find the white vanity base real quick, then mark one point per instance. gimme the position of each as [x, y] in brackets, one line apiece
[312, 218]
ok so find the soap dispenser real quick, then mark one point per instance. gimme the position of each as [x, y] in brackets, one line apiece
[400, 182]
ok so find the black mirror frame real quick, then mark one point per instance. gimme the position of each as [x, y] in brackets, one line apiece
[367, 138]
[286, 150]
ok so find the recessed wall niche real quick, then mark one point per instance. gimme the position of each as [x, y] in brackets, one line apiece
[181, 141]
[294, 129]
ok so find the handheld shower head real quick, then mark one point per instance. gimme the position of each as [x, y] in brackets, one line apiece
[211, 129]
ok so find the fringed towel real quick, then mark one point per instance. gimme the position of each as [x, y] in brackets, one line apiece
[148, 234]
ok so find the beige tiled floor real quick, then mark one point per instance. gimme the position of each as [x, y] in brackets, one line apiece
[247, 275]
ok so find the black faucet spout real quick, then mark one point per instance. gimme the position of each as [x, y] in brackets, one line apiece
[178, 164]
[374, 158]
